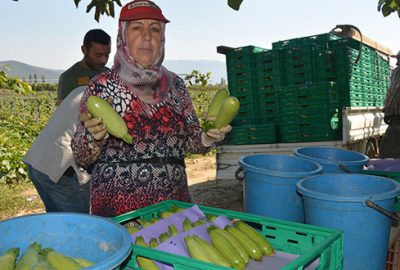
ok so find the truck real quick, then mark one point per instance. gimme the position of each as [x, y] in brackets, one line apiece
[362, 129]
[361, 123]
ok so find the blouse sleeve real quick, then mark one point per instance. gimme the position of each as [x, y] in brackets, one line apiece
[193, 142]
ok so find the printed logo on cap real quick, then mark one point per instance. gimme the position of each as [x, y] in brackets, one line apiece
[142, 4]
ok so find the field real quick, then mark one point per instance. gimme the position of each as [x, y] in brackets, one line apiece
[22, 198]
[21, 119]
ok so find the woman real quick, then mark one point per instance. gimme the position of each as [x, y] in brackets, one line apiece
[159, 113]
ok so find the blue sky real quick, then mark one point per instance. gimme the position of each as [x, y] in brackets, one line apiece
[49, 33]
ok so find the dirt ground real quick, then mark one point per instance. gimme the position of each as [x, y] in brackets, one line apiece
[203, 187]
[207, 191]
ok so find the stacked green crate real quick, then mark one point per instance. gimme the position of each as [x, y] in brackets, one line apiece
[308, 99]
[253, 134]
[321, 40]
[298, 89]
[250, 79]
[311, 62]
[303, 65]
[265, 94]
[241, 71]
[309, 112]
[362, 74]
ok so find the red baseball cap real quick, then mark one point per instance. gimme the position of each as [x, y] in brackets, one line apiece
[141, 9]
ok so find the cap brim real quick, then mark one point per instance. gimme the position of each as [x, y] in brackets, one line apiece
[131, 15]
[143, 16]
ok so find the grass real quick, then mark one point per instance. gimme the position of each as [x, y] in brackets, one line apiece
[19, 199]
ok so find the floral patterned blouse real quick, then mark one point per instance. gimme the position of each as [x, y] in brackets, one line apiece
[119, 183]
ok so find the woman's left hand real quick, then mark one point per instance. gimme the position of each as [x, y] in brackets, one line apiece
[215, 135]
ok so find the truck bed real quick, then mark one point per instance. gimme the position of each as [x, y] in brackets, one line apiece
[359, 124]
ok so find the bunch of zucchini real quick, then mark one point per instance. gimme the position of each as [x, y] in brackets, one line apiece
[36, 258]
[222, 110]
[231, 246]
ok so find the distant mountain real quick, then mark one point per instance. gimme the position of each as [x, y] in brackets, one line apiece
[217, 68]
[181, 67]
[23, 71]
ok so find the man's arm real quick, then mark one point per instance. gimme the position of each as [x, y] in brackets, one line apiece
[64, 87]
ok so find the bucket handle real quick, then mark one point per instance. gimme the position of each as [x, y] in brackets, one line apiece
[237, 176]
[369, 203]
[344, 168]
[391, 214]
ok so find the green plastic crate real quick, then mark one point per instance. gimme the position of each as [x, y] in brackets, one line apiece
[297, 131]
[254, 134]
[325, 94]
[265, 84]
[308, 241]
[244, 118]
[301, 65]
[241, 54]
[301, 120]
[308, 137]
[320, 39]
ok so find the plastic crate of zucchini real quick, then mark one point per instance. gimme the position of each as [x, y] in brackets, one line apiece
[178, 235]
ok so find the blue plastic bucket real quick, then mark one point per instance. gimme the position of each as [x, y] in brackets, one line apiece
[269, 185]
[339, 201]
[331, 158]
[97, 239]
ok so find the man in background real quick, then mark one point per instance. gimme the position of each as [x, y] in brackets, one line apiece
[60, 183]
[390, 144]
[96, 50]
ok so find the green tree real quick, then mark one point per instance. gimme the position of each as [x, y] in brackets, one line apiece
[387, 7]
[106, 7]
[35, 78]
[13, 83]
[197, 78]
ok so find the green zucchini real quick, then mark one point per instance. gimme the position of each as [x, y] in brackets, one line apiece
[114, 123]
[216, 102]
[8, 259]
[143, 262]
[228, 111]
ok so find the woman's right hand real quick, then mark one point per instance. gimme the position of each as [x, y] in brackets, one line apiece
[94, 125]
